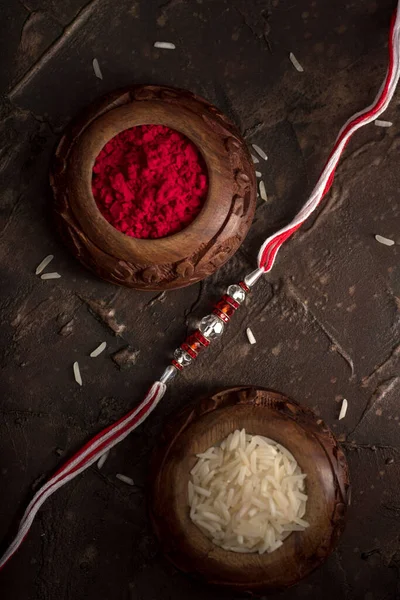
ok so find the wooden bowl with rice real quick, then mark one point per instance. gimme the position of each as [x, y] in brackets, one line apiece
[265, 567]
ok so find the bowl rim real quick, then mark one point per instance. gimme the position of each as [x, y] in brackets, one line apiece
[170, 248]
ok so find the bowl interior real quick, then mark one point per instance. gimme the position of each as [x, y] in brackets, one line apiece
[179, 245]
[179, 163]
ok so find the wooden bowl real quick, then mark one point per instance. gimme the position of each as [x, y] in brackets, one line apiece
[177, 260]
[297, 428]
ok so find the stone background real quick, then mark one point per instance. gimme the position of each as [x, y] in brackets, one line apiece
[326, 319]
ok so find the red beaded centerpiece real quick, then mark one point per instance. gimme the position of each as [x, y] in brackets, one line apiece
[211, 327]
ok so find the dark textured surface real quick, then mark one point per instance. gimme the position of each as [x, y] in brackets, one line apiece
[326, 319]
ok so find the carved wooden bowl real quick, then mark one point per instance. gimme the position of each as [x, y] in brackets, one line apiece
[297, 428]
[184, 257]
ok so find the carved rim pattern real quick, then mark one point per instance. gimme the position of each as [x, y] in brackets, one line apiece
[180, 259]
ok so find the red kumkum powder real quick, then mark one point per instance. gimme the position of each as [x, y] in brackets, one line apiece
[149, 181]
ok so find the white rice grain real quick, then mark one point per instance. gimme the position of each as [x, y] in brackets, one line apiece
[263, 192]
[380, 123]
[190, 493]
[206, 526]
[102, 459]
[244, 509]
[209, 454]
[77, 373]
[255, 159]
[301, 522]
[97, 351]
[385, 241]
[50, 276]
[211, 516]
[96, 69]
[258, 174]
[125, 479]
[295, 63]
[202, 491]
[250, 336]
[302, 496]
[197, 467]
[41, 266]
[234, 441]
[164, 45]
[242, 439]
[260, 151]
[343, 409]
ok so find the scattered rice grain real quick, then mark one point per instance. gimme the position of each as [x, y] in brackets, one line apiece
[295, 63]
[250, 336]
[96, 69]
[77, 373]
[263, 192]
[380, 123]
[125, 479]
[46, 261]
[255, 159]
[258, 174]
[100, 348]
[343, 409]
[165, 45]
[260, 151]
[102, 459]
[50, 276]
[384, 240]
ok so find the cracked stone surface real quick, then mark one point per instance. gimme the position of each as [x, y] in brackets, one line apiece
[326, 319]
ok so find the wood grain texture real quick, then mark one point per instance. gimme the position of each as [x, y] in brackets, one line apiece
[177, 260]
[273, 415]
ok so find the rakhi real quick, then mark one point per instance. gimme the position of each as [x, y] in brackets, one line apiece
[212, 326]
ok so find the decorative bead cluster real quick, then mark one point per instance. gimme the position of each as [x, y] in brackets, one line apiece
[211, 327]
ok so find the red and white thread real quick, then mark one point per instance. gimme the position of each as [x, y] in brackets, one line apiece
[270, 248]
[115, 433]
[88, 455]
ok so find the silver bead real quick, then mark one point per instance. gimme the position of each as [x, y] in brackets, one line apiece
[253, 277]
[237, 293]
[182, 357]
[211, 327]
[169, 374]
